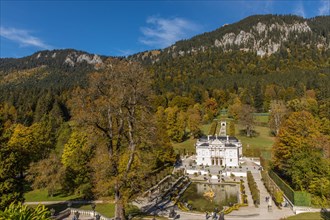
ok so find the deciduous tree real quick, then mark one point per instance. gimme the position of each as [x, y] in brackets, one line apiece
[246, 118]
[194, 121]
[116, 106]
[298, 153]
[278, 112]
[46, 174]
[11, 186]
[20, 211]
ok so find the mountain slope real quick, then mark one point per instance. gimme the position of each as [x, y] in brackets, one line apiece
[261, 34]
[62, 59]
[286, 55]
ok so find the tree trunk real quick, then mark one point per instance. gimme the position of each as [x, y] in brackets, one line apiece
[119, 205]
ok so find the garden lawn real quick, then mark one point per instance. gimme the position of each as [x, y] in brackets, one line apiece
[263, 118]
[263, 142]
[308, 216]
[263, 139]
[189, 144]
[42, 195]
[105, 209]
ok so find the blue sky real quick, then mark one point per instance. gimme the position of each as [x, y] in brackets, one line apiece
[120, 28]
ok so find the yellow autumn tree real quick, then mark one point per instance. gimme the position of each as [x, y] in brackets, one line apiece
[298, 155]
[116, 105]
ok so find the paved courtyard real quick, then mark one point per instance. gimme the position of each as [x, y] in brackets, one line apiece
[162, 205]
[249, 212]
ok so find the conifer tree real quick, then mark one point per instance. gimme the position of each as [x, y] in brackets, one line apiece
[258, 97]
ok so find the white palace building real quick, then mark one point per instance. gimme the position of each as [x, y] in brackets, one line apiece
[219, 150]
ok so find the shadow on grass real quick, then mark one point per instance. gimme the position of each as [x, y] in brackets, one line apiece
[105, 209]
[59, 207]
[325, 214]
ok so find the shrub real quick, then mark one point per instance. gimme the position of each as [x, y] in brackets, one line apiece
[20, 211]
[278, 197]
[253, 188]
[276, 193]
[299, 198]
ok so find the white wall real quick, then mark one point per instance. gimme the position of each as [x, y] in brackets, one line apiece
[191, 171]
[237, 174]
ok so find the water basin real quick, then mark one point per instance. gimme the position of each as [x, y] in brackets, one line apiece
[206, 197]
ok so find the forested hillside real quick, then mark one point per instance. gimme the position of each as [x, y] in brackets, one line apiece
[41, 82]
[295, 65]
[262, 34]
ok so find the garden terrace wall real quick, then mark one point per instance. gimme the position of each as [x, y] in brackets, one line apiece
[298, 198]
[272, 188]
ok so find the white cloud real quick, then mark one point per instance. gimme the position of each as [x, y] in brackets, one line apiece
[300, 10]
[22, 37]
[125, 52]
[249, 7]
[324, 9]
[163, 32]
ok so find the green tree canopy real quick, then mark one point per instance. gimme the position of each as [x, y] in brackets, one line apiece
[24, 212]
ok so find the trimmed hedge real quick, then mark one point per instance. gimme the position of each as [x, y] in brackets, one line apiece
[271, 187]
[232, 208]
[213, 128]
[253, 188]
[264, 163]
[243, 195]
[298, 198]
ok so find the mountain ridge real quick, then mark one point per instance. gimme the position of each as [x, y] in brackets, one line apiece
[262, 34]
[196, 76]
[229, 37]
[64, 58]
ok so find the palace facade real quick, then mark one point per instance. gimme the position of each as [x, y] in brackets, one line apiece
[219, 150]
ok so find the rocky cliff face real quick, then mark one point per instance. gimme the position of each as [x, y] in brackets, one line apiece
[73, 58]
[260, 40]
[262, 34]
[54, 58]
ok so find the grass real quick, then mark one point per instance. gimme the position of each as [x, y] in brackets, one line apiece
[262, 118]
[309, 216]
[262, 141]
[261, 144]
[206, 128]
[105, 209]
[251, 145]
[42, 195]
[189, 144]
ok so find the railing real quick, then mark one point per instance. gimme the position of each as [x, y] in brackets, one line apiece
[88, 213]
[157, 185]
[63, 214]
